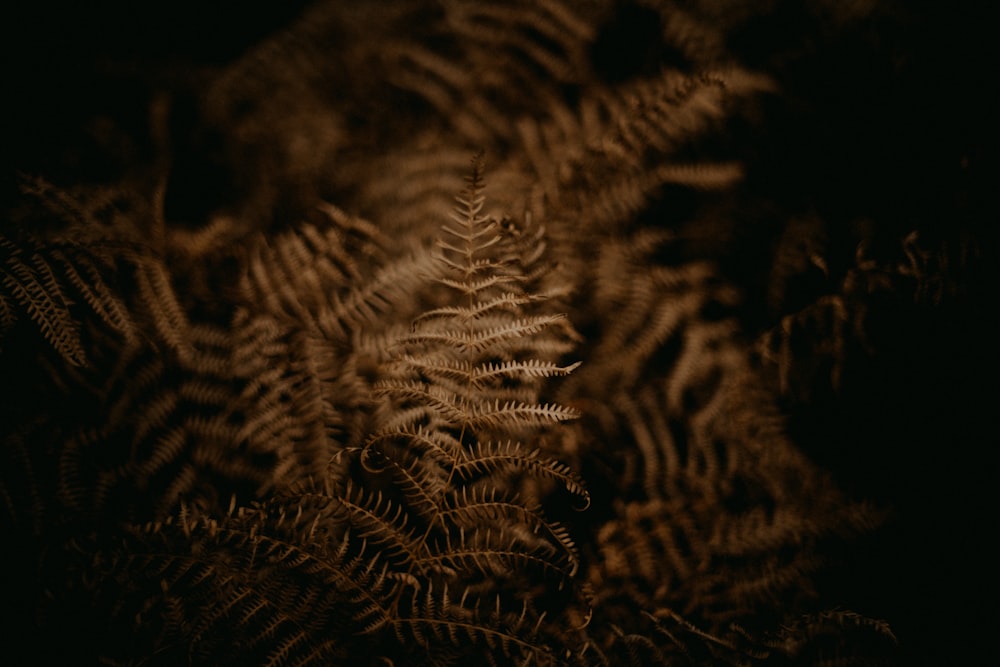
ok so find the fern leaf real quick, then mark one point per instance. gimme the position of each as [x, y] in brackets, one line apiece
[449, 387]
[491, 457]
[475, 287]
[167, 314]
[384, 526]
[507, 301]
[484, 374]
[32, 283]
[481, 555]
[86, 277]
[518, 415]
[531, 368]
[483, 339]
[274, 595]
[470, 509]
[427, 441]
[470, 629]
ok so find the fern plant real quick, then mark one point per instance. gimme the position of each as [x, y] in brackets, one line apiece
[459, 444]
[434, 533]
[283, 434]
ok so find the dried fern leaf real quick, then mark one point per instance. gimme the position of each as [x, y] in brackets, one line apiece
[31, 282]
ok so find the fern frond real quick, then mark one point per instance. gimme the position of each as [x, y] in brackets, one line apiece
[428, 441]
[419, 482]
[490, 458]
[480, 340]
[500, 555]
[533, 368]
[507, 301]
[450, 445]
[168, 317]
[31, 282]
[333, 282]
[604, 160]
[280, 588]
[451, 632]
[472, 508]
[518, 46]
[84, 273]
[476, 287]
[166, 426]
[518, 415]
[447, 407]
[377, 521]
[518, 27]
[813, 635]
